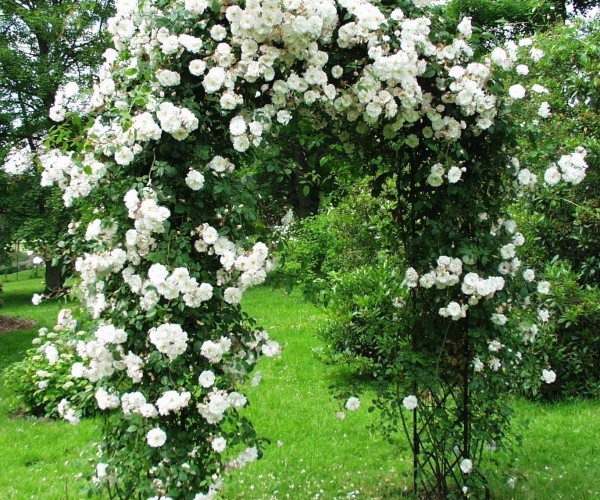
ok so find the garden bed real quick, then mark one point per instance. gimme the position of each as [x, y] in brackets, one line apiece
[9, 324]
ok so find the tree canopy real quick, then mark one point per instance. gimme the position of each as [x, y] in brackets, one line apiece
[43, 44]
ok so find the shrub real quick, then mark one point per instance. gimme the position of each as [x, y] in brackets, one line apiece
[342, 238]
[362, 318]
[573, 349]
[43, 378]
[559, 221]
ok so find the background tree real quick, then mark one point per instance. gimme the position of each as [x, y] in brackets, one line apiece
[43, 44]
[522, 17]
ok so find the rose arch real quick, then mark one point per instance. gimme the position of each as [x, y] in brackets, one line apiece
[191, 88]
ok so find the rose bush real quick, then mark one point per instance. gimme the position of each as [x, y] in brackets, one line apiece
[189, 89]
[42, 379]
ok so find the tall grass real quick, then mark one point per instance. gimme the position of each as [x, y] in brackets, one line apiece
[313, 454]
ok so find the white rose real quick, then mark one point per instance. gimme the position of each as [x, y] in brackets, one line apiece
[156, 437]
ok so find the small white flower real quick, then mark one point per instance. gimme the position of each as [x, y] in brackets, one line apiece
[494, 363]
[526, 177]
[504, 267]
[529, 275]
[498, 319]
[544, 315]
[237, 126]
[352, 404]
[454, 175]
[107, 87]
[232, 295]
[271, 349]
[466, 466]
[256, 379]
[410, 402]
[517, 91]
[518, 240]
[434, 180]
[543, 287]
[337, 71]
[412, 141]
[219, 444]
[522, 69]
[536, 54]
[284, 116]
[156, 437]
[548, 376]
[494, 346]
[57, 113]
[51, 354]
[206, 378]
[71, 89]
[411, 277]
[197, 67]
[168, 78]
[195, 180]
[124, 156]
[507, 251]
[544, 110]
[101, 469]
[552, 176]
[465, 27]
[218, 32]
[397, 15]
[213, 80]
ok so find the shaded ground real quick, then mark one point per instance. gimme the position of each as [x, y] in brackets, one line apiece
[8, 324]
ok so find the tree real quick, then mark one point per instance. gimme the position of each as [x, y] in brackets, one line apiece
[522, 17]
[517, 17]
[43, 44]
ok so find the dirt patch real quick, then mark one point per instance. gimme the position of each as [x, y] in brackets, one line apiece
[8, 324]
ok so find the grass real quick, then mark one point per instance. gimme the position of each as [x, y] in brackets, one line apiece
[560, 453]
[313, 454]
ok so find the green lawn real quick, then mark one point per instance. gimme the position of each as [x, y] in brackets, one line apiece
[313, 453]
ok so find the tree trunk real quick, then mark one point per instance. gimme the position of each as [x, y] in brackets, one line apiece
[55, 278]
[304, 205]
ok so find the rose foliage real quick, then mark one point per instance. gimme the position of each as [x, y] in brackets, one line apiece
[189, 90]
